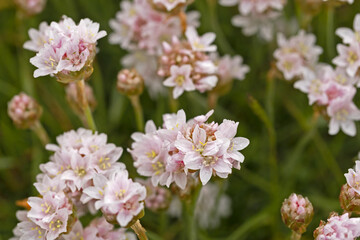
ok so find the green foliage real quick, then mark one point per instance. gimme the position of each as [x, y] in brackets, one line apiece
[290, 149]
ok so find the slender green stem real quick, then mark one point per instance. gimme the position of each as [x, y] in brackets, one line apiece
[85, 105]
[174, 104]
[40, 131]
[212, 100]
[330, 41]
[190, 215]
[139, 116]
[139, 230]
[295, 236]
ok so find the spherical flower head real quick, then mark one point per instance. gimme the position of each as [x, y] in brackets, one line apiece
[31, 7]
[338, 227]
[73, 100]
[24, 111]
[130, 82]
[297, 213]
[349, 199]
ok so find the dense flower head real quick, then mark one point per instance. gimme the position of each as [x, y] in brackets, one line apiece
[297, 212]
[141, 29]
[130, 82]
[186, 65]
[31, 7]
[64, 49]
[256, 16]
[98, 229]
[186, 148]
[24, 110]
[296, 53]
[349, 199]
[338, 227]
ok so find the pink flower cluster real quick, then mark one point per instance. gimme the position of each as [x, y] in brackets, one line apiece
[256, 15]
[64, 47]
[353, 177]
[296, 53]
[141, 29]
[83, 174]
[338, 227]
[24, 111]
[98, 229]
[186, 65]
[31, 7]
[182, 149]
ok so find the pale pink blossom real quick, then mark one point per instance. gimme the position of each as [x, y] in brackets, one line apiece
[202, 43]
[27, 229]
[338, 227]
[230, 68]
[349, 58]
[31, 7]
[180, 80]
[353, 177]
[348, 35]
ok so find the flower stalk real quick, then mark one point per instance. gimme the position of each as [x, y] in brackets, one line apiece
[40, 131]
[139, 115]
[80, 86]
[295, 236]
[139, 230]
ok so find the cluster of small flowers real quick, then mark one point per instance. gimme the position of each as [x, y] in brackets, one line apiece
[64, 49]
[140, 29]
[99, 228]
[183, 149]
[296, 53]
[24, 110]
[329, 88]
[186, 65]
[338, 227]
[256, 16]
[83, 175]
[31, 7]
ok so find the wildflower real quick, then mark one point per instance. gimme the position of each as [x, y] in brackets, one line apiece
[349, 58]
[24, 111]
[200, 43]
[130, 82]
[353, 177]
[31, 7]
[297, 213]
[64, 49]
[338, 227]
[180, 80]
[349, 199]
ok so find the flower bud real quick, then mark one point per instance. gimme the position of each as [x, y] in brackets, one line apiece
[349, 199]
[31, 7]
[157, 198]
[24, 111]
[72, 97]
[129, 82]
[297, 213]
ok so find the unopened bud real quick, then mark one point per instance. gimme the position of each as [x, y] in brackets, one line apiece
[349, 199]
[129, 82]
[31, 7]
[297, 213]
[72, 97]
[24, 111]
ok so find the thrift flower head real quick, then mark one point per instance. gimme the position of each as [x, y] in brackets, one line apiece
[338, 227]
[24, 111]
[180, 148]
[186, 65]
[64, 49]
[130, 82]
[297, 213]
[349, 199]
[31, 7]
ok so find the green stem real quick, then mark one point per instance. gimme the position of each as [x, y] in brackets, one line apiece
[174, 104]
[139, 230]
[190, 215]
[212, 100]
[139, 116]
[330, 41]
[295, 236]
[41, 133]
[85, 105]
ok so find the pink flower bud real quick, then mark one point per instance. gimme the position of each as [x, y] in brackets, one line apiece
[297, 213]
[157, 198]
[349, 199]
[24, 111]
[31, 7]
[130, 82]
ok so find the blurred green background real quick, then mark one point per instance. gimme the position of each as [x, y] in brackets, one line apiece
[289, 150]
